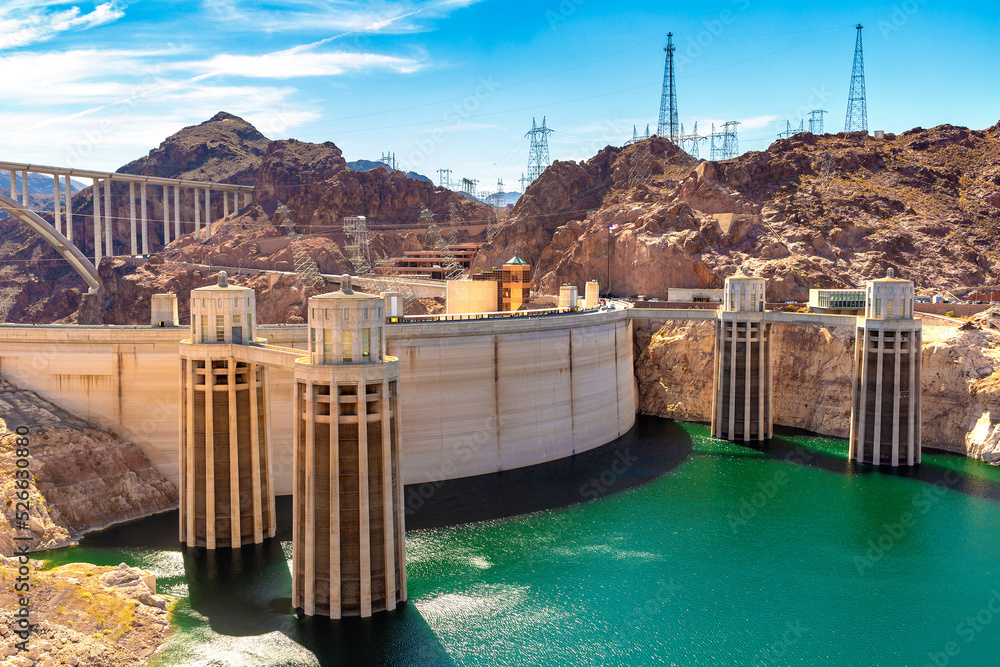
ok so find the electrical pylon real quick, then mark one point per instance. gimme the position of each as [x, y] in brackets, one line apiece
[857, 102]
[538, 152]
[668, 126]
[694, 139]
[816, 121]
[444, 178]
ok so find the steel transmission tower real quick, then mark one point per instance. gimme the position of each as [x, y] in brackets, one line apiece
[729, 143]
[789, 132]
[694, 139]
[816, 121]
[444, 178]
[668, 126]
[389, 160]
[538, 152]
[857, 103]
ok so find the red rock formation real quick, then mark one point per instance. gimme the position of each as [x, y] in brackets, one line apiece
[826, 211]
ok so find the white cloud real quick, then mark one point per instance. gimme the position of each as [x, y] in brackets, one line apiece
[366, 16]
[26, 22]
[299, 63]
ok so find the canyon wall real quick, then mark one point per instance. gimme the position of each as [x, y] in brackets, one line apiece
[813, 375]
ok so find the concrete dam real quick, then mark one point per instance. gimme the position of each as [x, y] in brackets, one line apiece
[476, 396]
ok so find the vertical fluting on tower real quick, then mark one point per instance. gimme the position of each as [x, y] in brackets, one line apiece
[348, 542]
[885, 407]
[226, 491]
[741, 397]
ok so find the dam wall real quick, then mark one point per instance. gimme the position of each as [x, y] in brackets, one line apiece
[475, 397]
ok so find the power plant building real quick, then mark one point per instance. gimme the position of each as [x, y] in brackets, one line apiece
[513, 283]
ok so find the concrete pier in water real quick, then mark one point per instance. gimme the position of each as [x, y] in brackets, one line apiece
[741, 400]
[348, 542]
[885, 410]
[226, 485]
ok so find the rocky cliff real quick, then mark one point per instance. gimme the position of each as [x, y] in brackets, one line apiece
[82, 478]
[809, 211]
[310, 182]
[83, 615]
[813, 374]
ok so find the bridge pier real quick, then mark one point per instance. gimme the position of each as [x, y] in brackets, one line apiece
[96, 197]
[56, 205]
[885, 407]
[226, 490]
[131, 207]
[109, 245]
[69, 207]
[166, 215]
[177, 212]
[145, 220]
[348, 543]
[741, 407]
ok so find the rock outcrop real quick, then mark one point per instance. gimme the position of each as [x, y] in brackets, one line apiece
[82, 478]
[83, 615]
[813, 375]
[313, 181]
[829, 211]
[310, 181]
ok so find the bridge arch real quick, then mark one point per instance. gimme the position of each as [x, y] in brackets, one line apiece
[51, 235]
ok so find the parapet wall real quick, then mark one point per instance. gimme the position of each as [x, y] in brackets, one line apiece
[475, 397]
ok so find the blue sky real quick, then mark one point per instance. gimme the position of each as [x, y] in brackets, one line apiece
[455, 83]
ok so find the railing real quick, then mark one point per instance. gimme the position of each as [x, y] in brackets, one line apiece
[494, 315]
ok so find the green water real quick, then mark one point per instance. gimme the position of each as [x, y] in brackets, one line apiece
[725, 556]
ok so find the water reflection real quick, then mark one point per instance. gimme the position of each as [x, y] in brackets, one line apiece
[246, 592]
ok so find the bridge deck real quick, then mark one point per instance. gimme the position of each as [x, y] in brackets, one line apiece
[116, 176]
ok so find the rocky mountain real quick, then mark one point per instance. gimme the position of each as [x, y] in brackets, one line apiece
[223, 149]
[368, 165]
[827, 211]
[312, 183]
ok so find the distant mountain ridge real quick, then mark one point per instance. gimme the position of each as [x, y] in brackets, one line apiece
[38, 184]
[368, 165]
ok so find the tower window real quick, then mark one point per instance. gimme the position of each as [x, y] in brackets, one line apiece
[347, 346]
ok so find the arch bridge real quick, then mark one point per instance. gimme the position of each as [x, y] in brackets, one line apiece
[174, 196]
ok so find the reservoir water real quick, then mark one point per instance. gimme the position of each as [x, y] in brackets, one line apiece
[665, 547]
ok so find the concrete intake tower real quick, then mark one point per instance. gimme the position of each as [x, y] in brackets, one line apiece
[226, 488]
[348, 543]
[741, 400]
[885, 411]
